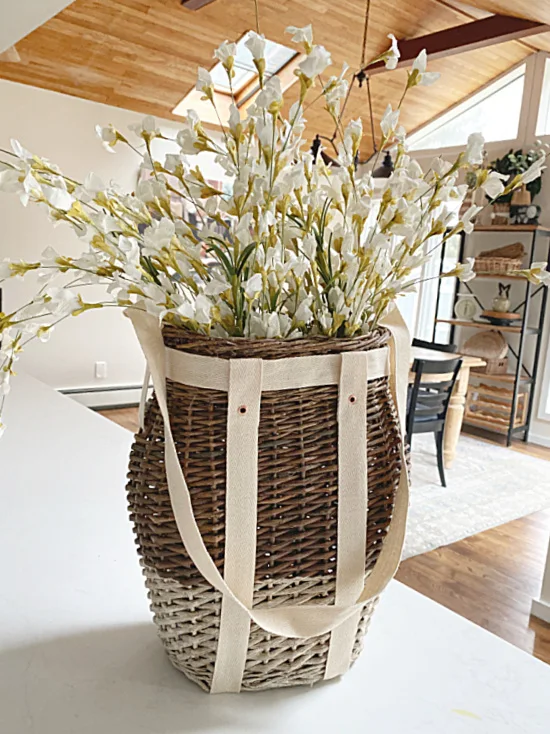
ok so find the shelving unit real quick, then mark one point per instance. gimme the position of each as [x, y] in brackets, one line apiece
[524, 376]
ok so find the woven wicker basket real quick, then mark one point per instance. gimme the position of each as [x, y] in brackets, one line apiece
[497, 265]
[297, 522]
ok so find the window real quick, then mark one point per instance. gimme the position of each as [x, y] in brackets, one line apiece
[245, 82]
[494, 112]
[543, 121]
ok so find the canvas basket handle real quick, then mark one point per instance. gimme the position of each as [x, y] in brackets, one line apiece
[298, 621]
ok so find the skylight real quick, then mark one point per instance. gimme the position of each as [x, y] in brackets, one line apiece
[276, 57]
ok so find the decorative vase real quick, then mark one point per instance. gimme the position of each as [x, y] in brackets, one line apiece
[248, 489]
[501, 303]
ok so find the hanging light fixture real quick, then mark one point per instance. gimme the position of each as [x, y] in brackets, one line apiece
[386, 168]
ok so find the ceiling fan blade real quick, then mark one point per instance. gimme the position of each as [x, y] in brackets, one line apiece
[195, 4]
[10, 54]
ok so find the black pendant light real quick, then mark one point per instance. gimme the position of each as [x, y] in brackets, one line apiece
[386, 169]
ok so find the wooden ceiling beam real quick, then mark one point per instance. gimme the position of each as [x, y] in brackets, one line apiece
[195, 4]
[467, 37]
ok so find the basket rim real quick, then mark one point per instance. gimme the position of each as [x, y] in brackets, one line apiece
[184, 339]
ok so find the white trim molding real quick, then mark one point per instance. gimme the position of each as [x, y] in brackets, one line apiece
[540, 608]
[105, 397]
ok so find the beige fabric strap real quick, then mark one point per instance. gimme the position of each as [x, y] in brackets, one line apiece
[211, 373]
[243, 419]
[352, 504]
[297, 621]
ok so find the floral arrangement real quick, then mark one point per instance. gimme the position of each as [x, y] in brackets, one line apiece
[516, 163]
[307, 250]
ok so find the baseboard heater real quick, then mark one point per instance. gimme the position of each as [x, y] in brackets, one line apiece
[115, 396]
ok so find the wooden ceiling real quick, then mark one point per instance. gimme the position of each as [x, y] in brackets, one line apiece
[143, 54]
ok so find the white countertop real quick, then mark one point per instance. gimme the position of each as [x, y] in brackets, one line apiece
[78, 650]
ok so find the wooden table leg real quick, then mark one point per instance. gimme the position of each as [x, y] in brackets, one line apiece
[455, 416]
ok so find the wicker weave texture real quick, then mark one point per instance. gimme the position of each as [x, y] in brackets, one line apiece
[297, 507]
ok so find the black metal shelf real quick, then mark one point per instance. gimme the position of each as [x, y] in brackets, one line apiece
[522, 374]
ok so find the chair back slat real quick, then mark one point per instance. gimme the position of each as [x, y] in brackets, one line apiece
[430, 394]
[451, 348]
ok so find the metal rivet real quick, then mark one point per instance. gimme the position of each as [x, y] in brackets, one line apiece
[352, 399]
[242, 409]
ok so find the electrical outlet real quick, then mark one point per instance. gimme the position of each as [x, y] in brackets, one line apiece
[100, 370]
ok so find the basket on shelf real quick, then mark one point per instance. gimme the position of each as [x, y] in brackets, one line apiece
[293, 438]
[496, 265]
[501, 260]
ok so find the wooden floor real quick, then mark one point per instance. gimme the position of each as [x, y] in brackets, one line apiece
[490, 578]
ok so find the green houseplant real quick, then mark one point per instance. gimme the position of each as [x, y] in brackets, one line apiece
[513, 164]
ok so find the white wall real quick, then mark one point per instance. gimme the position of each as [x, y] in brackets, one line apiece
[61, 128]
[23, 16]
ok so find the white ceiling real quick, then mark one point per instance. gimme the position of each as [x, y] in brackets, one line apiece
[19, 17]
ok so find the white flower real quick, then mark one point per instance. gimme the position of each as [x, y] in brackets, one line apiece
[389, 121]
[538, 274]
[302, 35]
[493, 185]
[534, 171]
[465, 271]
[108, 136]
[309, 246]
[466, 219]
[187, 137]
[203, 309]
[316, 62]
[353, 134]
[59, 198]
[271, 99]
[62, 301]
[392, 55]
[173, 162]
[158, 236]
[216, 287]
[234, 118]
[336, 89]
[226, 53]
[205, 83]
[474, 149]
[256, 45]
[303, 313]
[419, 75]
[253, 286]
[146, 128]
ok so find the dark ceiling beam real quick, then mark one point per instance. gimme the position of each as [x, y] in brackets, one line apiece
[195, 4]
[467, 37]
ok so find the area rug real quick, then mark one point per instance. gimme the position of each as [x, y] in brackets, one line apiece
[487, 486]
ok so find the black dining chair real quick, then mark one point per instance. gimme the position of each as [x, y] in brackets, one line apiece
[428, 401]
[451, 348]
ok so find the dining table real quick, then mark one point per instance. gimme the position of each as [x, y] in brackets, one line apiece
[455, 415]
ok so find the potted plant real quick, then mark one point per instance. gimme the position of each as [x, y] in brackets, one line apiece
[266, 535]
[515, 163]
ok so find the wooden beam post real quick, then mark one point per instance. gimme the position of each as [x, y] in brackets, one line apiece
[466, 37]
